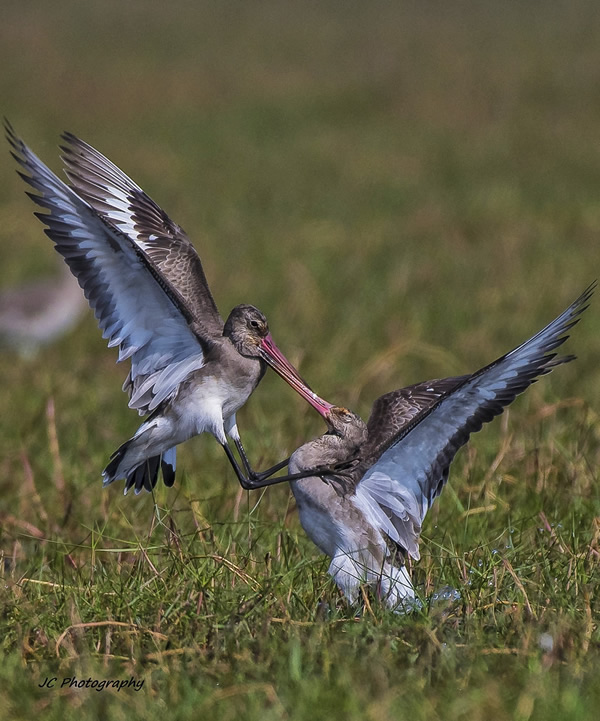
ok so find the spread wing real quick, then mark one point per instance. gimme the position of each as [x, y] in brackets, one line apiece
[123, 204]
[412, 466]
[136, 306]
[392, 412]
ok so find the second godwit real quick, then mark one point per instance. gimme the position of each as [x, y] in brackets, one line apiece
[368, 518]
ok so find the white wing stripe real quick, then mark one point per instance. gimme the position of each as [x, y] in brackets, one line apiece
[154, 389]
[152, 332]
[109, 186]
[407, 476]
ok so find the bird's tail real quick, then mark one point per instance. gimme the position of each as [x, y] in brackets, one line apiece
[141, 475]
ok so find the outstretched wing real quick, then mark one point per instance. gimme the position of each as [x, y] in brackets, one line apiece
[134, 304]
[413, 464]
[123, 204]
[392, 412]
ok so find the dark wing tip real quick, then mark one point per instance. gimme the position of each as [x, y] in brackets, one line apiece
[581, 304]
[573, 316]
[14, 141]
[68, 136]
[589, 291]
[73, 144]
[8, 126]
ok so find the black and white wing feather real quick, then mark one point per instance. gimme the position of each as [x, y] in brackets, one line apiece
[123, 204]
[135, 306]
[412, 466]
[393, 412]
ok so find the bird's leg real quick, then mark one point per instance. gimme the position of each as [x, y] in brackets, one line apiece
[251, 480]
[244, 457]
[251, 473]
[320, 471]
[231, 430]
[253, 476]
[235, 465]
[252, 484]
[254, 481]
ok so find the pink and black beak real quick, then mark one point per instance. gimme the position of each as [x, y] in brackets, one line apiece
[271, 354]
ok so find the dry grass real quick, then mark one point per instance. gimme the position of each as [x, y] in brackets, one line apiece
[407, 192]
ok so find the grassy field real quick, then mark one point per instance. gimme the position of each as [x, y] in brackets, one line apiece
[407, 190]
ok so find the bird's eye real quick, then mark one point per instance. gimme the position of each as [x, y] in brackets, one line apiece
[254, 323]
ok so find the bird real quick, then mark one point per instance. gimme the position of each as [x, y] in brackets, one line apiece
[368, 517]
[39, 312]
[190, 371]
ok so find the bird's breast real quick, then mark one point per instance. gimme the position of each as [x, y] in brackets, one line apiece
[241, 373]
[318, 510]
[213, 393]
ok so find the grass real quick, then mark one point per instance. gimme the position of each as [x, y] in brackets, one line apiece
[407, 191]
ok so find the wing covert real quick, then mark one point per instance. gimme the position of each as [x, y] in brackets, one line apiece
[124, 205]
[134, 311]
[393, 411]
[413, 465]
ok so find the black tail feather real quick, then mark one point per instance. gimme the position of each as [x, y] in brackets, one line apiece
[145, 475]
[109, 474]
[168, 473]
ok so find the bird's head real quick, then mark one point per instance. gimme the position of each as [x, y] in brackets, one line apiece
[346, 424]
[246, 327]
[248, 330]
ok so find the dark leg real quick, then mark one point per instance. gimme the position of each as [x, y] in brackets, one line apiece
[244, 457]
[254, 480]
[255, 475]
[261, 481]
[319, 471]
[235, 465]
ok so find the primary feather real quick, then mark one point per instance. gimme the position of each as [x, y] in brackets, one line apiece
[369, 518]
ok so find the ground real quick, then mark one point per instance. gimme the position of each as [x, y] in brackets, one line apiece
[407, 190]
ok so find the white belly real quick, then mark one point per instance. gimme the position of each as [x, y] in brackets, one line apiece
[316, 512]
[206, 407]
[346, 529]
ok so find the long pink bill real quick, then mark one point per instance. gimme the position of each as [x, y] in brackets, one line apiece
[281, 365]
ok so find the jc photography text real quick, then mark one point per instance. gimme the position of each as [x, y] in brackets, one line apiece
[98, 685]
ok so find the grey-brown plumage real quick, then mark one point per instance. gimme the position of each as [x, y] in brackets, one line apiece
[169, 251]
[368, 519]
[39, 312]
[395, 411]
[144, 280]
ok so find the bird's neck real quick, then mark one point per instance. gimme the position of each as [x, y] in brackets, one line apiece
[326, 450]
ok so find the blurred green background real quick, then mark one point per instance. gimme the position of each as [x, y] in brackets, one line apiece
[407, 190]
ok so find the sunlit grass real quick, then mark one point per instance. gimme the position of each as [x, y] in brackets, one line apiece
[407, 192]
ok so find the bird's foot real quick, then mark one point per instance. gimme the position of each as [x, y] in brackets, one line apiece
[343, 468]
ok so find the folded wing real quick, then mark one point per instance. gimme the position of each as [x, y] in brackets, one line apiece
[409, 468]
[134, 304]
